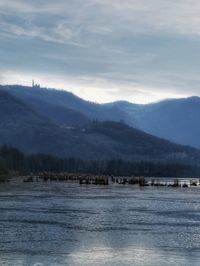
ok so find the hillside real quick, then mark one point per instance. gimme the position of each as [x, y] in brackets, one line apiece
[48, 103]
[175, 120]
[63, 107]
[22, 127]
[132, 142]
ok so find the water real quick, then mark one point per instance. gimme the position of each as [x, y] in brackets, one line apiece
[66, 224]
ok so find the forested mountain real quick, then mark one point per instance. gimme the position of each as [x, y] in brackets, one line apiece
[22, 127]
[175, 120]
[26, 129]
[140, 144]
[63, 107]
[48, 103]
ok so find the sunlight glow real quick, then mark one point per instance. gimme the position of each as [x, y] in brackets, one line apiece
[91, 89]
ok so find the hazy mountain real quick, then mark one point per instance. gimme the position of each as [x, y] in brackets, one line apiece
[48, 103]
[24, 128]
[63, 107]
[176, 120]
[134, 143]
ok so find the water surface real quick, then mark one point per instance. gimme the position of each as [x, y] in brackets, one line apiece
[67, 224]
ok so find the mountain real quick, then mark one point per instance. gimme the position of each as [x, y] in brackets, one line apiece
[48, 103]
[136, 144]
[63, 107]
[24, 128]
[176, 120]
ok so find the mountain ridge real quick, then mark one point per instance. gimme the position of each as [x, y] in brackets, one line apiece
[174, 119]
[23, 128]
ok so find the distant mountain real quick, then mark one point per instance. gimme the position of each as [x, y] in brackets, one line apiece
[133, 143]
[63, 107]
[49, 103]
[24, 128]
[176, 120]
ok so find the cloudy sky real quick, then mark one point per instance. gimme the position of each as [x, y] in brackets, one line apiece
[103, 50]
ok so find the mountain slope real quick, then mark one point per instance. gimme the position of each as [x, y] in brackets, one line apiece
[23, 128]
[176, 120]
[45, 103]
[140, 144]
[63, 107]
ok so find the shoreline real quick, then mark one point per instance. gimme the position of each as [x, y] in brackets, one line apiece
[81, 179]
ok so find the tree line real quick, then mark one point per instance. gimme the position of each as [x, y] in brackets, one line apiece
[13, 160]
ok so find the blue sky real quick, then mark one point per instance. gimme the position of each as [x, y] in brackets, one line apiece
[103, 50]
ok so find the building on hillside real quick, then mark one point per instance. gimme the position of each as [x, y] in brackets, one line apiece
[34, 85]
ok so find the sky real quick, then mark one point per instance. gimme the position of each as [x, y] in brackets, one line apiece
[103, 50]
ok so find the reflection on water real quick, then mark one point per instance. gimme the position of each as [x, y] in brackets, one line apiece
[67, 224]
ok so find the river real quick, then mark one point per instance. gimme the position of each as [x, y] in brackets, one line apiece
[55, 224]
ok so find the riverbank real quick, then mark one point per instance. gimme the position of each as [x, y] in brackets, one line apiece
[83, 179]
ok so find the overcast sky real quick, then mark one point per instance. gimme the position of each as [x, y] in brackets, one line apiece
[103, 50]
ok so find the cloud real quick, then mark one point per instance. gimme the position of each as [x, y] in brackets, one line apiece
[90, 88]
[143, 48]
[142, 16]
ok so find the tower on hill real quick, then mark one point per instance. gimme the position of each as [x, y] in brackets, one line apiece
[34, 85]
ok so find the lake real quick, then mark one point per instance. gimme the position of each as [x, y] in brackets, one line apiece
[67, 224]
